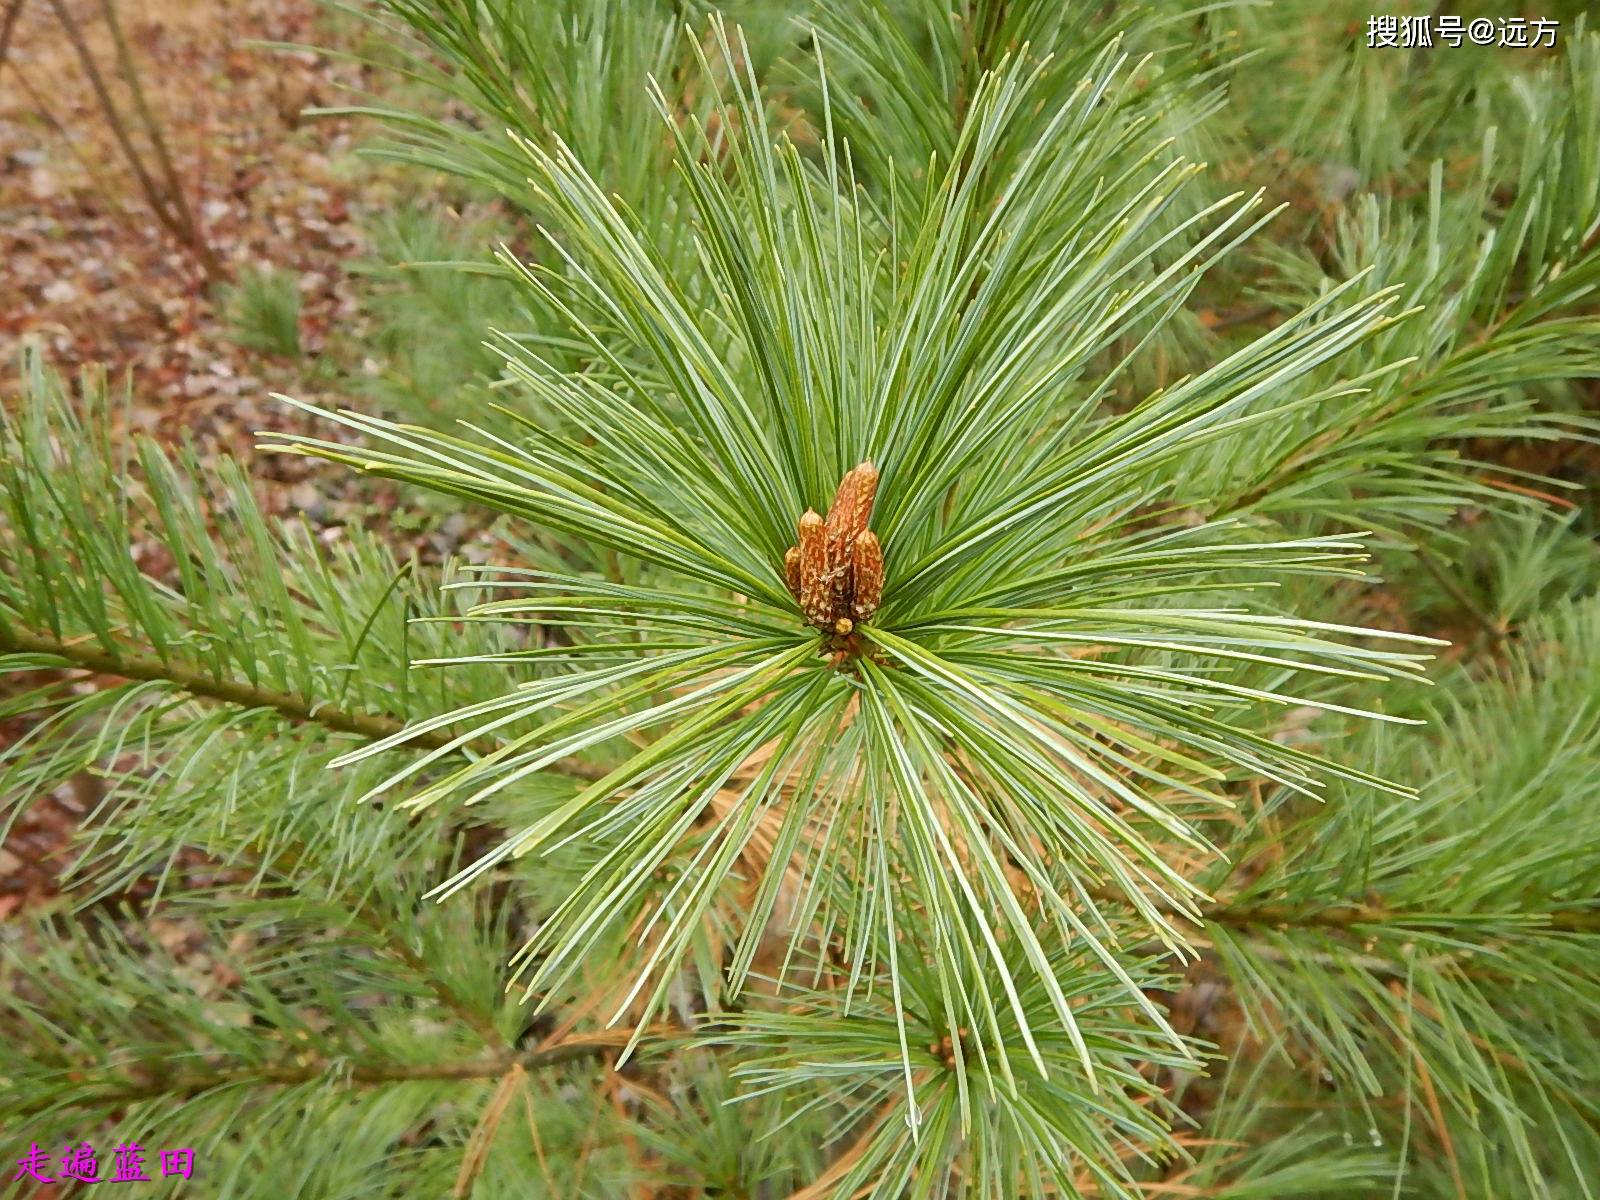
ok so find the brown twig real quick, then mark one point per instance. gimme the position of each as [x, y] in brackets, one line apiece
[1441, 1127]
[538, 1144]
[113, 115]
[158, 142]
[587, 1146]
[483, 1134]
[8, 26]
[639, 1190]
[178, 222]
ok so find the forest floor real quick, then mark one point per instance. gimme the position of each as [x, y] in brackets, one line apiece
[95, 278]
[270, 294]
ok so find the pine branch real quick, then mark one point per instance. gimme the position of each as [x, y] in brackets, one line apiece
[1359, 916]
[155, 1080]
[371, 726]
[1354, 917]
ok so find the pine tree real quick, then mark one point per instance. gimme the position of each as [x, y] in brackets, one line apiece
[1027, 665]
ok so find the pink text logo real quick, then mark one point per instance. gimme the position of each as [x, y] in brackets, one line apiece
[80, 1163]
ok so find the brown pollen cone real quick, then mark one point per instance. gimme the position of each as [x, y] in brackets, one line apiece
[866, 575]
[851, 508]
[815, 596]
[847, 518]
[836, 571]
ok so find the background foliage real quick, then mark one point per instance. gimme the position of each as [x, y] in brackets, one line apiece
[1210, 809]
